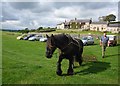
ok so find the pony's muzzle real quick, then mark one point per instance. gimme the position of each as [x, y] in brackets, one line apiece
[49, 56]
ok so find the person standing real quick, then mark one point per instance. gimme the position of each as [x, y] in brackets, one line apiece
[104, 42]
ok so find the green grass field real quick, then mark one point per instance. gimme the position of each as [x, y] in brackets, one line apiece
[24, 62]
[0, 58]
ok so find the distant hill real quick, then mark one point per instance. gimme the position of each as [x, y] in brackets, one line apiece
[9, 30]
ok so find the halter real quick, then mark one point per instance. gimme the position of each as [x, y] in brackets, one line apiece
[51, 45]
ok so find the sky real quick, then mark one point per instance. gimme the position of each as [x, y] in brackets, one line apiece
[31, 15]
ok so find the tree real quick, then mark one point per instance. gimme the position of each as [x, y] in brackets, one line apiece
[40, 28]
[26, 30]
[110, 17]
[48, 28]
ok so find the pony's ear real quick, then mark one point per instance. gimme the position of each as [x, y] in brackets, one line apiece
[52, 35]
[52, 39]
[47, 36]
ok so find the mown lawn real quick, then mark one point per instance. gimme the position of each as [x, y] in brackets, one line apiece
[24, 62]
[0, 58]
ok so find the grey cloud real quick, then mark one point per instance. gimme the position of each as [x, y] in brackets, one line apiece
[59, 5]
[119, 10]
[36, 7]
[42, 9]
[43, 14]
[24, 5]
[1, 12]
[87, 9]
[96, 5]
[8, 16]
[86, 5]
[8, 13]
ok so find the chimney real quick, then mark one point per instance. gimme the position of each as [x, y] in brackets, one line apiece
[108, 23]
[90, 20]
[65, 20]
[75, 18]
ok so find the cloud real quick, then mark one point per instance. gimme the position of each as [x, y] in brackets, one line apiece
[24, 5]
[67, 12]
[8, 13]
[119, 10]
[36, 14]
[12, 25]
[85, 5]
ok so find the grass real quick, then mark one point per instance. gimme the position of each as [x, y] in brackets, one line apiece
[24, 62]
[0, 58]
[77, 31]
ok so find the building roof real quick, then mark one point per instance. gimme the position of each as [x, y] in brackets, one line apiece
[114, 25]
[66, 23]
[80, 20]
[99, 22]
[60, 23]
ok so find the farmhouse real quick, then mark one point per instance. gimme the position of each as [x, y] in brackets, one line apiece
[114, 28]
[87, 24]
[80, 23]
[105, 26]
[98, 26]
[75, 24]
[63, 25]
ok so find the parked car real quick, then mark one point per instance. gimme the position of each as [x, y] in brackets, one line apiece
[28, 36]
[22, 36]
[87, 40]
[36, 37]
[43, 39]
[112, 40]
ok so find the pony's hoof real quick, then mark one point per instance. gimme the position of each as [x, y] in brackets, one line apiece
[59, 73]
[80, 63]
[70, 72]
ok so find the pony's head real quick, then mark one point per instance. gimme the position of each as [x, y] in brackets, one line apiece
[50, 46]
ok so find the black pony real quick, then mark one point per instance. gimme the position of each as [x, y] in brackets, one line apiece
[70, 48]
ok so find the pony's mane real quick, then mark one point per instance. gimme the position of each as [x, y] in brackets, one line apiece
[61, 37]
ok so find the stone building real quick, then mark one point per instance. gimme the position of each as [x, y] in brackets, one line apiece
[98, 26]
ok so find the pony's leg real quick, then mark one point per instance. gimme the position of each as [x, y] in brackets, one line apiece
[59, 71]
[70, 70]
[74, 61]
[80, 60]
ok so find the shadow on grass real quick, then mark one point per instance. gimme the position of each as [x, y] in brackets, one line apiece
[118, 45]
[94, 68]
[91, 45]
[112, 55]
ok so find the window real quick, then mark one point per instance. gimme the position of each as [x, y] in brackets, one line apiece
[97, 28]
[117, 29]
[102, 28]
[94, 27]
[76, 26]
